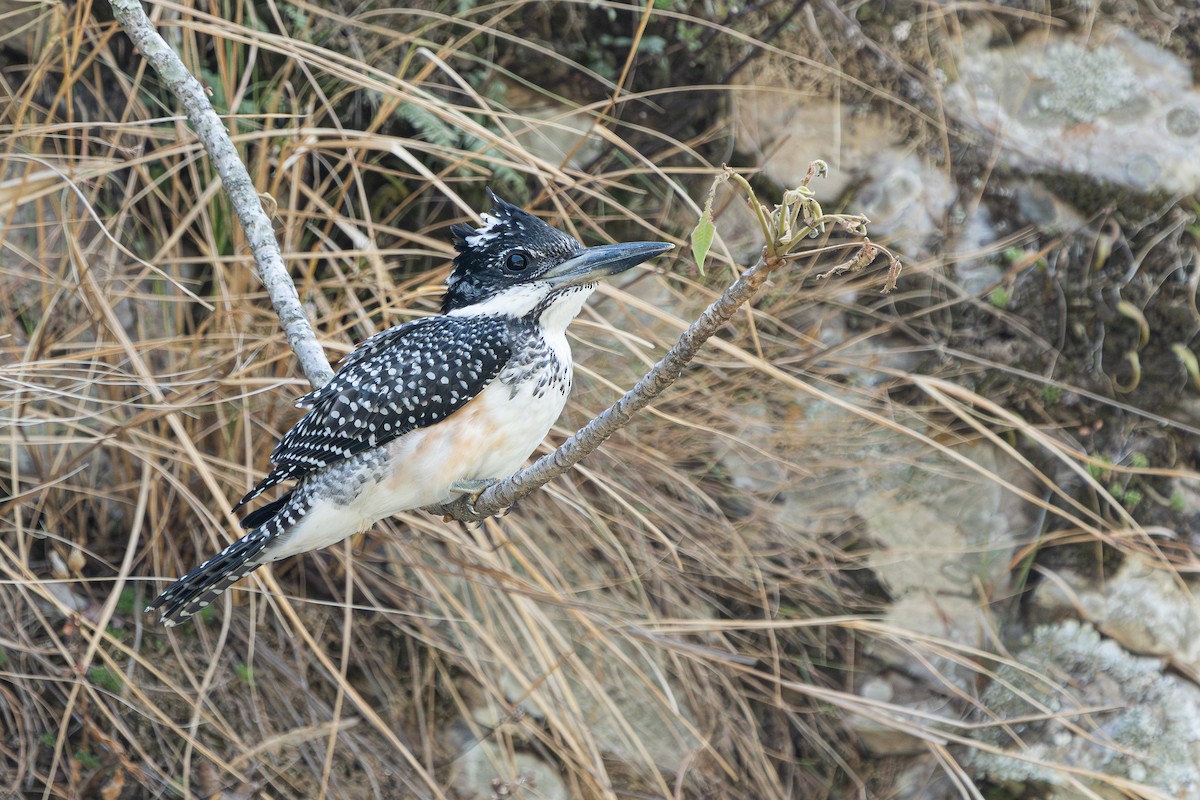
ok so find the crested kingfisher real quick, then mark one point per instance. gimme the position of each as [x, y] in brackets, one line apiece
[429, 409]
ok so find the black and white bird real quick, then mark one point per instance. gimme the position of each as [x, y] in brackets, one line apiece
[426, 410]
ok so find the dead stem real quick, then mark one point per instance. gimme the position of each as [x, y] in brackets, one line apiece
[238, 186]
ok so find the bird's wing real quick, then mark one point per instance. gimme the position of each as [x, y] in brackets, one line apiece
[408, 377]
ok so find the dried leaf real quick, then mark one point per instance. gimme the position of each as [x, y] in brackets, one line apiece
[112, 790]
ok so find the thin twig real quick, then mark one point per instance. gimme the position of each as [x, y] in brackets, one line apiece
[238, 186]
[506, 492]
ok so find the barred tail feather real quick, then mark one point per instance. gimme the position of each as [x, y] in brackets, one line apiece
[197, 589]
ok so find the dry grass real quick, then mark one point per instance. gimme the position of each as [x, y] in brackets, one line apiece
[648, 627]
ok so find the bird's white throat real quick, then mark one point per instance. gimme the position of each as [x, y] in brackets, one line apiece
[518, 301]
[565, 307]
[515, 301]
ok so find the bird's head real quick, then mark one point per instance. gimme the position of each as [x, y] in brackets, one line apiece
[514, 262]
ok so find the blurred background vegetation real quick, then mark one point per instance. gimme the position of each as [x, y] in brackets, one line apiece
[931, 544]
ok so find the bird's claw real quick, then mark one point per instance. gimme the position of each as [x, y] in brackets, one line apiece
[471, 490]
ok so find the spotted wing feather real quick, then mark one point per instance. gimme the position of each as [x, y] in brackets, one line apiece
[401, 379]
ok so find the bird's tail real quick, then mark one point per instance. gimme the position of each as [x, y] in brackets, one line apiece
[197, 589]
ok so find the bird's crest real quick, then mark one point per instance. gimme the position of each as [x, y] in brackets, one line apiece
[504, 223]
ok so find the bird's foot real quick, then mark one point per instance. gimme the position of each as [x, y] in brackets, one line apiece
[472, 489]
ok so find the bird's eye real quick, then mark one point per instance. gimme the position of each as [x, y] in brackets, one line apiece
[517, 262]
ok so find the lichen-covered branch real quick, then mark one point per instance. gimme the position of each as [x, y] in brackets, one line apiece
[238, 186]
[506, 492]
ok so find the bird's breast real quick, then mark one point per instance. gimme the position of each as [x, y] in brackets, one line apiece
[489, 437]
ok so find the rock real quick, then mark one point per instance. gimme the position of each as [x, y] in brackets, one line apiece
[975, 269]
[961, 620]
[749, 469]
[877, 472]
[481, 769]
[784, 136]
[626, 716]
[68, 598]
[906, 198]
[924, 779]
[1147, 609]
[1118, 110]
[944, 533]
[978, 266]
[1145, 726]
[880, 739]
[623, 699]
[1041, 207]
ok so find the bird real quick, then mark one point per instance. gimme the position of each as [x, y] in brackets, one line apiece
[428, 410]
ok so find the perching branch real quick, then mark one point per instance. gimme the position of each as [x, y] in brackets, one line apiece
[238, 186]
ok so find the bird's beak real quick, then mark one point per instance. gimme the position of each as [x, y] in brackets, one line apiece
[595, 263]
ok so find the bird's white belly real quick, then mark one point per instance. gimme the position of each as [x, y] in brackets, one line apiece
[490, 437]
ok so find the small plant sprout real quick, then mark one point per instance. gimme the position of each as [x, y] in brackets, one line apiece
[1190, 365]
[786, 226]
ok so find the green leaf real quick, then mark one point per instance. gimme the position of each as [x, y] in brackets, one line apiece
[702, 234]
[702, 237]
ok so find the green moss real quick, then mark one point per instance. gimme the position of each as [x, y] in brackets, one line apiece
[245, 673]
[125, 602]
[106, 679]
